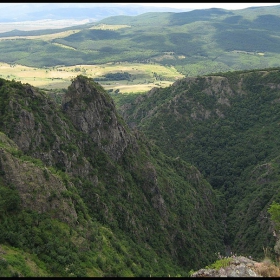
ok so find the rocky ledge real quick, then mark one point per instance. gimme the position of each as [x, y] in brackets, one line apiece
[240, 266]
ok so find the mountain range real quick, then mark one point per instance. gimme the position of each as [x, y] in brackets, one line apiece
[195, 43]
[153, 184]
[76, 11]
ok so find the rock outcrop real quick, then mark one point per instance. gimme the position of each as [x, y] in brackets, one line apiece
[240, 266]
[94, 113]
[38, 188]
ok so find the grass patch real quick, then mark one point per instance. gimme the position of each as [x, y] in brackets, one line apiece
[109, 26]
[16, 262]
[219, 263]
[45, 37]
[145, 76]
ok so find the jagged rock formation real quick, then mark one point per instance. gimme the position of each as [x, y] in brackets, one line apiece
[35, 185]
[94, 113]
[79, 163]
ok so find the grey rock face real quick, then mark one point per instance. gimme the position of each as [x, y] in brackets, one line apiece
[238, 267]
[94, 113]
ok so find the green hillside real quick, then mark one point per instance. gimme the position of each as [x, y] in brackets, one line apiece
[83, 195]
[196, 43]
[228, 126]
[103, 182]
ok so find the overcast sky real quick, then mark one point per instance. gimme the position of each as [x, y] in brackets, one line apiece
[227, 6]
[179, 5]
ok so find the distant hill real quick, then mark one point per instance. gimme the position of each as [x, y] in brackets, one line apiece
[196, 42]
[11, 12]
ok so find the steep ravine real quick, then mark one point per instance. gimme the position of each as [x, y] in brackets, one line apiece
[112, 177]
[227, 125]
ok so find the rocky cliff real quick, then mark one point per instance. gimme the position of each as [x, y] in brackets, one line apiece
[94, 113]
[39, 189]
[227, 125]
[80, 164]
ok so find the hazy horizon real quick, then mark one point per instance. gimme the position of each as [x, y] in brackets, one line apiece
[32, 16]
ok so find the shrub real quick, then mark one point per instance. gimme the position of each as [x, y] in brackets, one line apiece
[220, 263]
[267, 269]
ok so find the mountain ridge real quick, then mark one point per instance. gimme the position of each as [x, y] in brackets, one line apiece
[127, 187]
[227, 126]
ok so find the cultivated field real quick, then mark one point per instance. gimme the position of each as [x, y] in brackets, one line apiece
[39, 24]
[145, 76]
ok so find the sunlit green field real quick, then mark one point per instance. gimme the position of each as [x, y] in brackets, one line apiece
[146, 76]
[153, 57]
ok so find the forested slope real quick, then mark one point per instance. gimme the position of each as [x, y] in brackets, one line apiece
[228, 126]
[84, 195]
[196, 43]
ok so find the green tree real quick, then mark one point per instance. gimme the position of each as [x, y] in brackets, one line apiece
[274, 211]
